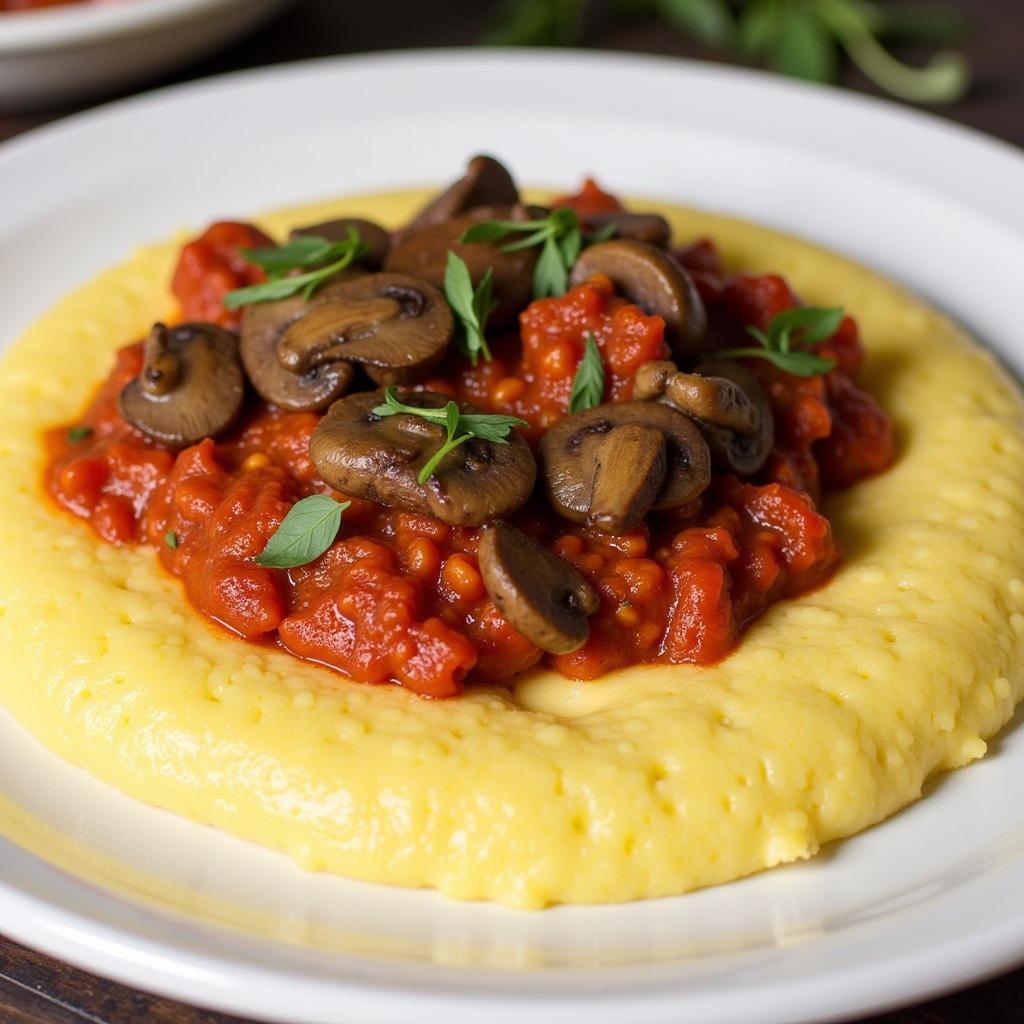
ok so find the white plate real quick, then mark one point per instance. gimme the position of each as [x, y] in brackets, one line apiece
[69, 54]
[930, 900]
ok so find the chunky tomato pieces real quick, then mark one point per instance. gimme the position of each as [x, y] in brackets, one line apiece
[399, 597]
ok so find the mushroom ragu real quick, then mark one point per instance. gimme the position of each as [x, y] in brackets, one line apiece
[496, 437]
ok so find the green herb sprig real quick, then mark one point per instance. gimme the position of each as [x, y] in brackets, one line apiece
[588, 383]
[305, 533]
[777, 343]
[560, 239]
[802, 38]
[472, 306]
[80, 433]
[172, 540]
[327, 259]
[461, 427]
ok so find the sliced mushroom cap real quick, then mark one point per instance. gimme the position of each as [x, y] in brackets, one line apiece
[379, 458]
[395, 326]
[645, 227]
[486, 182]
[650, 278]
[191, 385]
[376, 238]
[599, 473]
[540, 595]
[726, 401]
[424, 254]
[262, 326]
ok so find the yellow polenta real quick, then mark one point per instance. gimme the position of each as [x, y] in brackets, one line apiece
[831, 714]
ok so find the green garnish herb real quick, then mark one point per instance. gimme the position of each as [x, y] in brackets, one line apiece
[76, 434]
[305, 533]
[814, 323]
[461, 426]
[558, 235]
[472, 306]
[171, 540]
[327, 259]
[588, 384]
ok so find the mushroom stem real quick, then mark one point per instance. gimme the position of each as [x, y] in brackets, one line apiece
[161, 368]
[321, 335]
[629, 471]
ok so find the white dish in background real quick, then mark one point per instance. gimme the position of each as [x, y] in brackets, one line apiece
[71, 54]
[930, 900]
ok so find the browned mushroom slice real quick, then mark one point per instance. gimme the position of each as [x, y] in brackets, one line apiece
[540, 595]
[262, 327]
[599, 474]
[424, 254]
[486, 182]
[376, 238]
[395, 326]
[191, 385]
[650, 278]
[645, 227]
[726, 401]
[379, 459]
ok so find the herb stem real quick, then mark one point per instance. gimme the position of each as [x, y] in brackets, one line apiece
[435, 460]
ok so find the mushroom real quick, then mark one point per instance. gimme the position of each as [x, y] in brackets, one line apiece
[645, 227]
[262, 326]
[540, 595]
[486, 182]
[377, 240]
[610, 465]
[395, 326]
[424, 254]
[379, 458]
[725, 400]
[649, 277]
[191, 385]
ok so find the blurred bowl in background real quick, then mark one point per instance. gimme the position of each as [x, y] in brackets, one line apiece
[71, 54]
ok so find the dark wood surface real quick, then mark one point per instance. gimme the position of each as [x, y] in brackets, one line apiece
[35, 989]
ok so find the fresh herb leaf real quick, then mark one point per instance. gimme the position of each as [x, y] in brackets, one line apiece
[558, 235]
[305, 533]
[171, 540]
[777, 342]
[588, 383]
[602, 234]
[328, 258]
[76, 434]
[460, 426]
[471, 305]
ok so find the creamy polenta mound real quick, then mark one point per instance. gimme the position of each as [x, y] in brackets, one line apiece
[831, 713]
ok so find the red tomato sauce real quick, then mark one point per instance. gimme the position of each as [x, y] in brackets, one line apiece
[399, 597]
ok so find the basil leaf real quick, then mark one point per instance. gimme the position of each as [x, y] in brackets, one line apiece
[588, 383]
[76, 434]
[817, 322]
[472, 306]
[305, 533]
[303, 251]
[295, 256]
[550, 276]
[461, 426]
[758, 28]
[486, 231]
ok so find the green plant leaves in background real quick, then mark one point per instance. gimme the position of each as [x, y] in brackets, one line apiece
[801, 38]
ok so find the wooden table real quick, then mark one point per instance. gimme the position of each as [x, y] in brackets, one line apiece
[35, 989]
